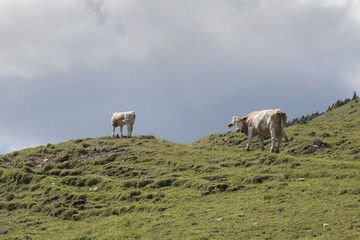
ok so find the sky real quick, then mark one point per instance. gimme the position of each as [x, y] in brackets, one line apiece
[185, 67]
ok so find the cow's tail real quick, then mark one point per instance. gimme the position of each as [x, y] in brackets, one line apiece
[133, 116]
[283, 122]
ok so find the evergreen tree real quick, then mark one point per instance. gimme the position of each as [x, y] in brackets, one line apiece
[354, 96]
[305, 119]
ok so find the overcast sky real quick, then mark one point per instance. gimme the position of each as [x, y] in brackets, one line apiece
[185, 67]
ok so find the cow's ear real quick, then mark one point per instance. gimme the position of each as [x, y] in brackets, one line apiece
[230, 125]
[243, 119]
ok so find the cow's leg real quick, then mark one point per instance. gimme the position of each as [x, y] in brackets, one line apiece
[250, 133]
[279, 142]
[113, 131]
[284, 134]
[121, 130]
[261, 139]
[130, 129]
[273, 139]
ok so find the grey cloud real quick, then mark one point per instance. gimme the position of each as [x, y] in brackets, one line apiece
[97, 8]
[185, 67]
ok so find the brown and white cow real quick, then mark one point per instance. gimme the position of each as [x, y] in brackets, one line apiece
[262, 123]
[123, 118]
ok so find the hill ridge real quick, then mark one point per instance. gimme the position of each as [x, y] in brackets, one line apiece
[149, 188]
[305, 119]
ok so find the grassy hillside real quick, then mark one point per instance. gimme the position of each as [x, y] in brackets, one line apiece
[147, 188]
[348, 112]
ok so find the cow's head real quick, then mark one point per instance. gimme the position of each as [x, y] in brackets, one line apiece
[238, 123]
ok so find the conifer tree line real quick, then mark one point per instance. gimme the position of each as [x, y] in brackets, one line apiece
[305, 119]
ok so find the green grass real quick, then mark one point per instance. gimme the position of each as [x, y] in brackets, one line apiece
[147, 188]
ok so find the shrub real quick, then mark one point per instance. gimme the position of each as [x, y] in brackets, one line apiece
[26, 163]
[63, 157]
[82, 152]
[180, 183]
[356, 191]
[57, 212]
[12, 206]
[144, 183]
[295, 165]
[5, 159]
[267, 197]
[268, 160]
[164, 183]
[311, 134]
[9, 197]
[48, 167]
[326, 135]
[68, 165]
[71, 214]
[137, 183]
[14, 154]
[134, 194]
[147, 137]
[91, 181]
[86, 145]
[35, 187]
[284, 159]
[3, 205]
[29, 170]
[258, 179]
[81, 182]
[70, 181]
[107, 159]
[17, 176]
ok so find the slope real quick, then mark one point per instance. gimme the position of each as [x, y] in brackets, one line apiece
[347, 112]
[148, 188]
[336, 131]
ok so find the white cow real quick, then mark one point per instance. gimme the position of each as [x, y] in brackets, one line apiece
[262, 123]
[119, 119]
